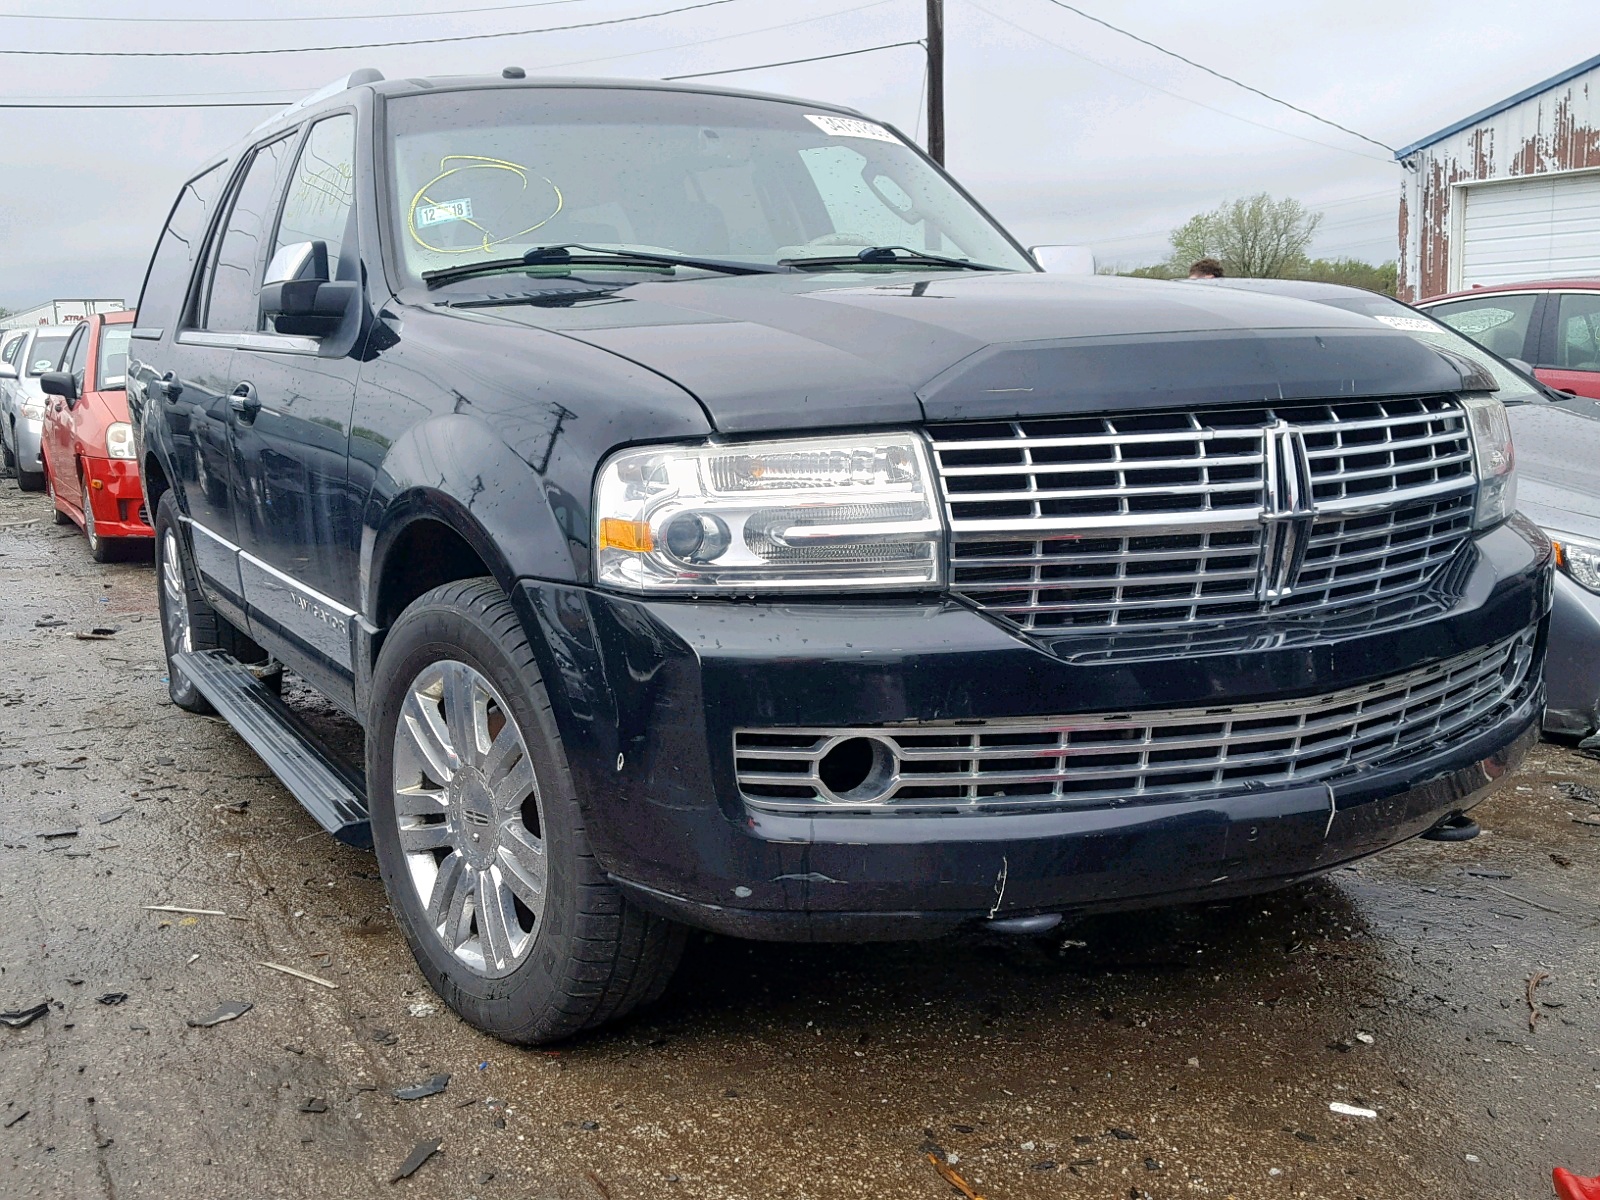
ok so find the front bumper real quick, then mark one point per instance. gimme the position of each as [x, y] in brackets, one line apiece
[119, 510]
[1572, 672]
[647, 696]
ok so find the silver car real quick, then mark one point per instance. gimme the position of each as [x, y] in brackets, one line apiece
[25, 355]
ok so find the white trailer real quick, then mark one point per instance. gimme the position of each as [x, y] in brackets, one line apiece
[59, 312]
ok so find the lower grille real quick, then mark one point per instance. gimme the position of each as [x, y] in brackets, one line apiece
[1101, 760]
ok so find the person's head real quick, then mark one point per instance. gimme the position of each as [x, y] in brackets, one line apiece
[1206, 268]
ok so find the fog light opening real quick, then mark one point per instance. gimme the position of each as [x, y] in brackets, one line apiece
[858, 769]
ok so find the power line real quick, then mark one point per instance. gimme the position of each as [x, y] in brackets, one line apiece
[792, 61]
[542, 67]
[375, 16]
[1176, 95]
[463, 37]
[1306, 112]
[726, 37]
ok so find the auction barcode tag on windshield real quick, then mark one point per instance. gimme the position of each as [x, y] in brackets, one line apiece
[851, 127]
[438, 214]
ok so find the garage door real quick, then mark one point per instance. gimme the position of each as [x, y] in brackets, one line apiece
[1539, 229]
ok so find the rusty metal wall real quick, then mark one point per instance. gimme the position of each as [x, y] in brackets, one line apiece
[1557, 130]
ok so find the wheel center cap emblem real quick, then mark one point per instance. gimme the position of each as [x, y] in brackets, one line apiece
[475, 811]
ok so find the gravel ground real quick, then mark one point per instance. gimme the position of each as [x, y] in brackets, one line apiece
[1190, 1052]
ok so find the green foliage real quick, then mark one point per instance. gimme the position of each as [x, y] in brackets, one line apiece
[1352, 272]
[1159, 271]
[1259, 237]
[1256, 237]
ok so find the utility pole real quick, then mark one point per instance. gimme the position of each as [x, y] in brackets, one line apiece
[936, 81]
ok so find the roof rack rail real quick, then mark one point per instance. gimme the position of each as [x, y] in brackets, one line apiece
[355, 79]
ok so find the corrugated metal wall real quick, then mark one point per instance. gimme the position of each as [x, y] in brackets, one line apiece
[1555, 131]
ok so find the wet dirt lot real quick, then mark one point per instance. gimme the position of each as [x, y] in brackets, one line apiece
[1184, 1053]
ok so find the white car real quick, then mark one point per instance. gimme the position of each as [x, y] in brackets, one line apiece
[26, 354]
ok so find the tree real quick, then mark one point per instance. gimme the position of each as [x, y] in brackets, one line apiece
[1379, 277]
[1256, 237]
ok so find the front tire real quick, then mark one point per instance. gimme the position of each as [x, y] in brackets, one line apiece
[100, 549]
[479, 834]
[56, 511]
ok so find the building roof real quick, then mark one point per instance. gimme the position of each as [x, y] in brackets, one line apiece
[1478, 118]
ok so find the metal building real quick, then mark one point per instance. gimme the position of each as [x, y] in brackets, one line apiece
[1510, 193]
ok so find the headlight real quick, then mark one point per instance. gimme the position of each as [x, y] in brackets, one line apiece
[1496, 460]
[119, 440]
[1580, 561]
[838, 512]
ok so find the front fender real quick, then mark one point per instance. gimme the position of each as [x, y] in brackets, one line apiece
[456, 471]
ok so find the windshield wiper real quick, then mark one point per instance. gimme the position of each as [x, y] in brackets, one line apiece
[562, 256]
[889, 256]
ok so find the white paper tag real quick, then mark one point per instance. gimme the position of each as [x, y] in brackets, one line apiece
[438, 214]
[851, 127]
[1409, 324]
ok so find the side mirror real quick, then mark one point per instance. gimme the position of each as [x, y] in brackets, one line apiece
[7, 371]
[59, 383]
[1065, 260]
[297, 297]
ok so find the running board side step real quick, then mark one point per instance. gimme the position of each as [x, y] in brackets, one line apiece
[330, 791]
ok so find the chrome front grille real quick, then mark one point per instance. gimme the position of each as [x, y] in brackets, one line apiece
[1151, 519]
[1101, 760]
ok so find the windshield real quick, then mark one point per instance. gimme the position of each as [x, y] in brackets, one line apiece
[45, 353]
[113, 366]
[1513, 385]
[487, 175]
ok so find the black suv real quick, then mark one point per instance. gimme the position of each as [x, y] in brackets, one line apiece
[714, 518]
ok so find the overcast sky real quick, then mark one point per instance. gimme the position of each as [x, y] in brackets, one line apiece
[1068, 132]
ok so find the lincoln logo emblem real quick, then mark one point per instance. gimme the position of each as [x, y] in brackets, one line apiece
[1287, 510]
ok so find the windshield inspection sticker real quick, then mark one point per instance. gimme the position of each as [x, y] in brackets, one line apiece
[851, 127]
[1410, 324]
[438, 214]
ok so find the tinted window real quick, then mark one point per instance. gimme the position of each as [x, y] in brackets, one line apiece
[113, 363]
[166, 283]
[231, 302]
[322, 189]
[1578, 332]
[45, 353]
[8, 353]
[1497, 323]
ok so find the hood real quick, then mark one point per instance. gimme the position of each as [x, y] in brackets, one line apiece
[1558, 445]
[799, 351]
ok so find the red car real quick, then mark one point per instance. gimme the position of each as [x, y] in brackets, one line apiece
[1554, 326]
[90, 466]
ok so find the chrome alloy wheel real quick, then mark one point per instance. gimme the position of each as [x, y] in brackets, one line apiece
[469, 818]
[176, 615]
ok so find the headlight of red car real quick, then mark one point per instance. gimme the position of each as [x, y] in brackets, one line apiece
[119, 440]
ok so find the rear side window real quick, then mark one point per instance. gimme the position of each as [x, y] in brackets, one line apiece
[1578, 332]
[1497, 323]
[322, 190]
[112, 366]
[8, 352]
[166, 283]
[45, 353]
[231, 305]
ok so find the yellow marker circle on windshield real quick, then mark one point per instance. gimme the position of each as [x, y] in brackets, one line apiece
[473, 162]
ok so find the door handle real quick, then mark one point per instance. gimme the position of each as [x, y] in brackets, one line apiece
[245, 402]
[170, 387]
